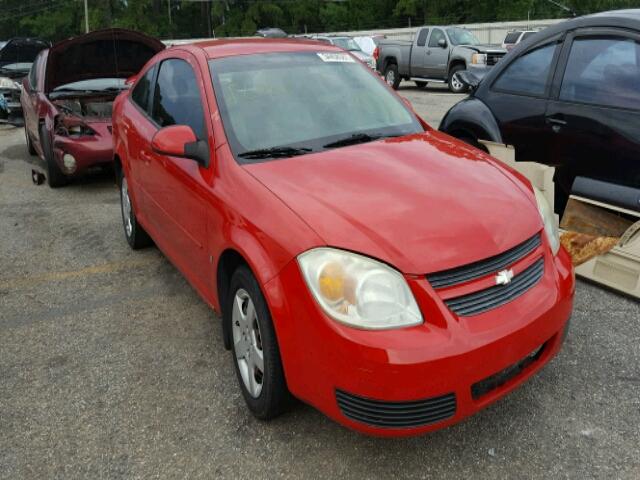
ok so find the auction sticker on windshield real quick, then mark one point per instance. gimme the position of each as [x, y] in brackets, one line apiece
[335, 57]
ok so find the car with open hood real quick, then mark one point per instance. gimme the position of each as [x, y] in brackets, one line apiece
[392, 276]
[16, 57]
[68, 95]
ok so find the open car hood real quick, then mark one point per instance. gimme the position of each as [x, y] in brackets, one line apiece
[21, 50]
[108, 53]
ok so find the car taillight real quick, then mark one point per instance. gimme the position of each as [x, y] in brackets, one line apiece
[376, 53]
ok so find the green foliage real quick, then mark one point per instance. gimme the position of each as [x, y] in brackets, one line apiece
[57, 19]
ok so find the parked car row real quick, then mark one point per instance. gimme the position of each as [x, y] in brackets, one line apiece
[284, 178]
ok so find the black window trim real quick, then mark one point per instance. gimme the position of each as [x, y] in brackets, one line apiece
[154, 76]
[563, 61]
[559, 41]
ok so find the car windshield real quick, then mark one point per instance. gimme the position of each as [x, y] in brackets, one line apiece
[94, 85]
[346, 43]
[460, 36]
[300, 102]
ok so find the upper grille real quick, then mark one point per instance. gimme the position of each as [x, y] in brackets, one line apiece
[493, 297]
[455, 276]
[396, 414]
[493, 58]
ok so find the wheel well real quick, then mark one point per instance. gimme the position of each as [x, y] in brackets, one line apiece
[455, 63]
[117, 167]
[229, 261]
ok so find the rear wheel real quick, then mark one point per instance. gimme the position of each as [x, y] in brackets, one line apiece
[455, 84]
[391, 76]
[137, 237]
[55, 177]
[256, 355]
[421, 84]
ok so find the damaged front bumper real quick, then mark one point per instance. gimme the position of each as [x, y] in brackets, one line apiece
[75, 154]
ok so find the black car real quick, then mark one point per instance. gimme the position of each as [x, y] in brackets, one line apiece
[16, 58]
[569, 97]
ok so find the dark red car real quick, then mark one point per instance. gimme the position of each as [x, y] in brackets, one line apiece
[68, 95]
[388, 274]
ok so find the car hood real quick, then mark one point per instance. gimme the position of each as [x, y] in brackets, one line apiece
[484, 48]
[108, 53]
[422, 203]
[21, 50]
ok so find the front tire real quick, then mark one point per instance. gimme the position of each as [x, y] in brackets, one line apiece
[136, 236]
[455, 84]
[255, 351]
[392, 76]
[55, 177]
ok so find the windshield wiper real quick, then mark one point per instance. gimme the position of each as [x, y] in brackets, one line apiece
[275, 152]
[356, 138]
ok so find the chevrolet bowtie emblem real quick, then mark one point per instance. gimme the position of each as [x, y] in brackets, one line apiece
[504, 277]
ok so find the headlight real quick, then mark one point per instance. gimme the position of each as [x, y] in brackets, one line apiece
[6, 82]
[549, 220]
[479, 59]
[359, 291]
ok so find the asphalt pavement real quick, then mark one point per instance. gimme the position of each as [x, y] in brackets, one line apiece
[111, 366]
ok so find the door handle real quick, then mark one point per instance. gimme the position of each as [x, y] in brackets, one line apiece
[428, 52]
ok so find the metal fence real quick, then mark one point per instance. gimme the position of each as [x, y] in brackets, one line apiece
[486, 32]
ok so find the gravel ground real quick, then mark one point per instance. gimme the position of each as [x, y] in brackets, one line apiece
[112, 367]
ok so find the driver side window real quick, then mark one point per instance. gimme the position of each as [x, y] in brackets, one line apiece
[436, 36]
[176, 98]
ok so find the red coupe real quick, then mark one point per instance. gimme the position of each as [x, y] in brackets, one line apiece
[388, 274]
[68, 95]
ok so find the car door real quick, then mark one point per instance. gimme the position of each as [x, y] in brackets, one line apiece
[437, 55]
[518, 96]
[419, 54]
[594, 111]
[31, 85]
[139, 129]
[178, 186]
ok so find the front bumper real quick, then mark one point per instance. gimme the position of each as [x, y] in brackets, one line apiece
[348, 373]
[88, 150]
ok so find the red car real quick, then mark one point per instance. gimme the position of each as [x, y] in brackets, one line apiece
[68, 95]
[383, 272]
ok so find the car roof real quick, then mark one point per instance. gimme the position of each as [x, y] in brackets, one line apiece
[248, 46]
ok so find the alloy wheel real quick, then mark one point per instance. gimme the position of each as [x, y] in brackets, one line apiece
[126, 207]
[247, 342]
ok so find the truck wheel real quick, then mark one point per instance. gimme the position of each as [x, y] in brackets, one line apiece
[391, 76]
[455, 84]
[421, 84]
[55, 177]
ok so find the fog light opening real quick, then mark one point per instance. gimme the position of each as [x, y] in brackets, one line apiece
[69, 163]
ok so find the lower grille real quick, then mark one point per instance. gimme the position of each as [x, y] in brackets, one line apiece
[396, 414]
[493, 297]
[496, 380]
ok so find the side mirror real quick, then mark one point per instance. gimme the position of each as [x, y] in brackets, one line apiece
[442, 43]
[181, 141]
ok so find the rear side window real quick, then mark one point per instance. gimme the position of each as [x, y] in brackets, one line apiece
[603, 71]
[422, 37]
[140, 94]
[529, 74]
[512, 37]
[436, 35]
[176, 98]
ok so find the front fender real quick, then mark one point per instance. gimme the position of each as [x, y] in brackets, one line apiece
[471, 117]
